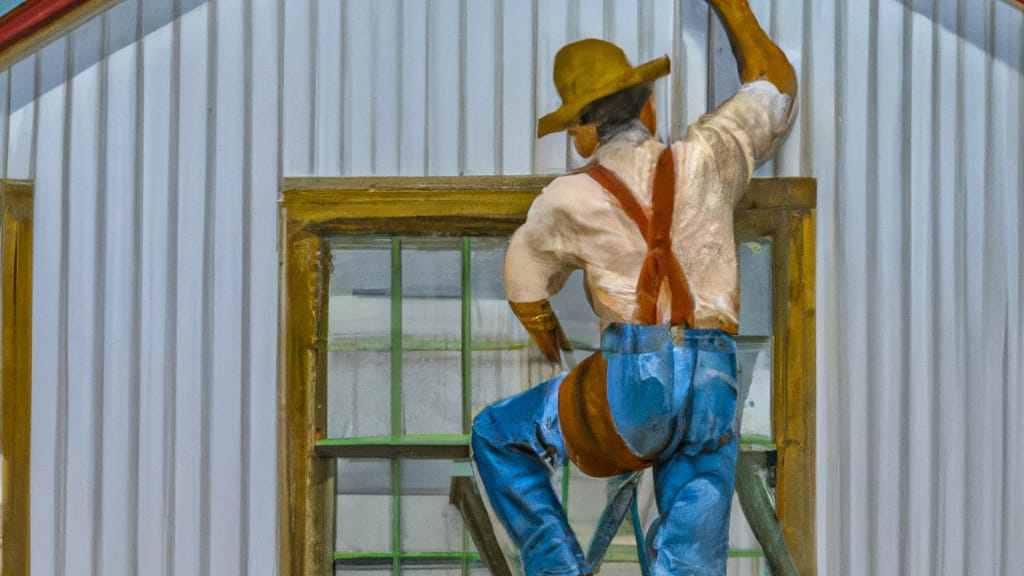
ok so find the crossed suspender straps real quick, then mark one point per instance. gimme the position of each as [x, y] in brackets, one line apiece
[591, 437]
[660, 264]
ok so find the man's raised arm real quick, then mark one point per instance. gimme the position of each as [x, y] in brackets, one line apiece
[757, 56]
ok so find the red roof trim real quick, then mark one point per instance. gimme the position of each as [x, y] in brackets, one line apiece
[30, 17]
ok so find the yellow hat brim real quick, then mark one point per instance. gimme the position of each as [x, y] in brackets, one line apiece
[569, 112]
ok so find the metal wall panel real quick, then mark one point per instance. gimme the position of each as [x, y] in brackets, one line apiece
[158, 52]
[151, 133]
[49, 323]
[87, 109]
[919, 237]
[119, 346]
[158, 132]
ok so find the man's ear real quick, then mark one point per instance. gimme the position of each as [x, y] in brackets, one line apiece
[584, 138]
[649, 116]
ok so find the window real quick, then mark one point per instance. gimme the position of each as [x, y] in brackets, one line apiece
[395, 330]
[15, 372]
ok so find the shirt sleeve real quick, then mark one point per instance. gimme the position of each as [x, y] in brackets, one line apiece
[743, 132]
[540, 257]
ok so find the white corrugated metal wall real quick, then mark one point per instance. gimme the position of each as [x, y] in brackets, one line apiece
[152, 135]
[157, 135]
[918, 122]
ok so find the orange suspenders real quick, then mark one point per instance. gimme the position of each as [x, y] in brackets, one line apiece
[661, 264]
[588, 427]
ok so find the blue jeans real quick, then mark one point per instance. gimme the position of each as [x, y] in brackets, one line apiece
[673, 403]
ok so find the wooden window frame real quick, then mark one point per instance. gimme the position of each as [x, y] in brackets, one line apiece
[312, 210]
[16, 199]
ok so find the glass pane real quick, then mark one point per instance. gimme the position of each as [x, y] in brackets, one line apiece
[363, 506]
[754, 377]
[753, 365]
[587, 500]
[578, 320]
[359, 339]
[431, 392]
[357, 476]
[501, 348]
[754, 344]
[431, 336]
[756, 287]
[429, 522]
[363, 523]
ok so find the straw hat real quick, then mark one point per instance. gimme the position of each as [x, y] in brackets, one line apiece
[589, 70]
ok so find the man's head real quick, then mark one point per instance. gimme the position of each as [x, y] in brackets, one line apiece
[600, 90]
[612, 113]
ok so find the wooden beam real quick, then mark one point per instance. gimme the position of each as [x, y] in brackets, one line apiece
[792, 233]
[794, 375]
[16, 372]
[463, 494]
[305, 481]
[467, 205]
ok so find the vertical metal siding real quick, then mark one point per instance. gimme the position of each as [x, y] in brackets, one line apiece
[821, 88]
[920, 461]
[263, 164]
[119, 346]
[49, 330]
[190, 483]
[84, 460]
[158, 132]
[919, 353]
[152, 135]
[157, 269]
[1007, 184]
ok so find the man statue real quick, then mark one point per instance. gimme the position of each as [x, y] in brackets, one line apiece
[652, 228]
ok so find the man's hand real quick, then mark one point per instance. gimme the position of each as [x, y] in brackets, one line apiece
[757, 56]
[540, 321]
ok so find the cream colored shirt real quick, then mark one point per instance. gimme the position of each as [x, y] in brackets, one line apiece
[575, 224]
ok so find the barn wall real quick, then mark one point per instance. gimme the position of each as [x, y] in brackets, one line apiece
[158, 132]
[151, 133]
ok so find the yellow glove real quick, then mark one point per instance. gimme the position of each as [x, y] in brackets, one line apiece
[540, 321]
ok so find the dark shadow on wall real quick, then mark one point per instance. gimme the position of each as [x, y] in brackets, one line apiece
[976, 23]
[92, 41]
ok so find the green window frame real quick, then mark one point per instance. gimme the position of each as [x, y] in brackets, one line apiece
[397, 444]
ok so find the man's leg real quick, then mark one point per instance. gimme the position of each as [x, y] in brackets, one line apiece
[691, 534]
[694, 484]
[516, 445]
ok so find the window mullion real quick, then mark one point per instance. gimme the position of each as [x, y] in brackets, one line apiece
[467, 360]
[396, 337]
[467, 335]
[396, 401]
